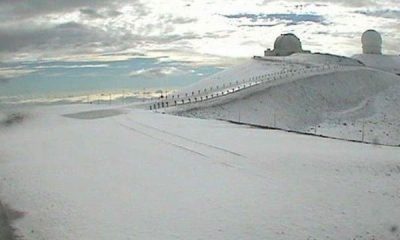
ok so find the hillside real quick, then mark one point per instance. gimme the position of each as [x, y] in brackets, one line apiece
[388, 63]
[311, 93]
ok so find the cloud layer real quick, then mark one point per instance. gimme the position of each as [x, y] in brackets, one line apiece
[193, 32]
[47, 30]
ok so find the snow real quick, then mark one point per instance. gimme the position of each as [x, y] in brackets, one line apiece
[320, 94]
[143, 175]
[258, 66]
[389, 63]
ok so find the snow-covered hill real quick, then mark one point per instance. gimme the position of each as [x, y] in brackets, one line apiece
[263, 67]
[312, 93]
[91, 172]
[389, 63]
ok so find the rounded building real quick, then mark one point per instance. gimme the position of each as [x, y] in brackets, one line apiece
[371, 42]
[285, 45]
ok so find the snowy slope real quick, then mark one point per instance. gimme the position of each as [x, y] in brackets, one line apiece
[388, 63]
[79, 173]
[312, 93]
[259, 66]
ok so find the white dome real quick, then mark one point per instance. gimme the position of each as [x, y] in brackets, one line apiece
[287, 44]
[371, 42]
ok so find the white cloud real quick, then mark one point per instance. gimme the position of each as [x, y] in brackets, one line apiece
[193, 31]
[156, 72]
[7, 73]
[73, 66]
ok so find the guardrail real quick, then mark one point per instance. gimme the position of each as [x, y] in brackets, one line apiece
[212, 92]
[360, 131]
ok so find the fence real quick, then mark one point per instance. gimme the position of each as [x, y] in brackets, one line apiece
[378, 132]
[217, 91]
[359, 131]
[116, 98]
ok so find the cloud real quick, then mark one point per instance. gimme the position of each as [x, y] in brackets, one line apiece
[156, 72]
[70, 35]
[348, 3]
[18, 10]
[196, 31]
[169, 18]
[123, 40]
[259, 25]
[384, 13]
[8, 73]
[73, 66]
[92, 13]
[58, 40]
[288, 17]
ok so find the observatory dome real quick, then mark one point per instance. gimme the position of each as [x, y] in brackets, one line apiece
[285, 45]
[371, 42]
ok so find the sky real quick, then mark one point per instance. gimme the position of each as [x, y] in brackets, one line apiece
[70, 45]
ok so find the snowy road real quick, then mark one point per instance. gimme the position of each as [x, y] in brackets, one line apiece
[140, 175]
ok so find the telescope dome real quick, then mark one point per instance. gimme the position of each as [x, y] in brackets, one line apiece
[371, 42]
[287, 44]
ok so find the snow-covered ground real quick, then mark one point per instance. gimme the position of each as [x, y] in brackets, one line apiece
[311, 93]
[88, 172]
[266, 68]
[389, 63]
